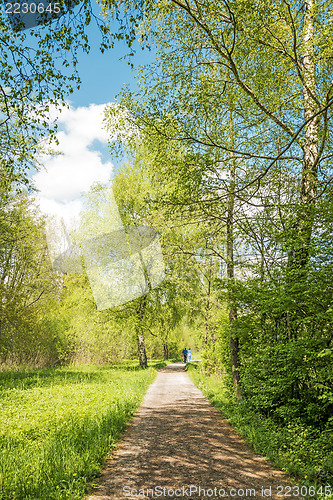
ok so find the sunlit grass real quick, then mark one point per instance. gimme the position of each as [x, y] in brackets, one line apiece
[58, 425]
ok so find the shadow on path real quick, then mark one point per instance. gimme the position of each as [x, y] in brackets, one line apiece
[177, 443]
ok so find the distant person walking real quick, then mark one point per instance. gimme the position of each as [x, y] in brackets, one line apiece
[185, 354]
[189, 355]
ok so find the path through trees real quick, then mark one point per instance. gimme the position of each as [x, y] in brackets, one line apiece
[178, 443]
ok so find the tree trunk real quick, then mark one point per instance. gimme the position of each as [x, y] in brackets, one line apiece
[234, 343]
[206, 334]
[309, 180]
[298, 256]
[166, 351]
[208, 305]
[139, 333]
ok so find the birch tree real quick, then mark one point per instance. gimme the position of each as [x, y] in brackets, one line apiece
[274, 60]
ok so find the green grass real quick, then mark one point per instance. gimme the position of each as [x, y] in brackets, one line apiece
[58, 425]
[302, 453]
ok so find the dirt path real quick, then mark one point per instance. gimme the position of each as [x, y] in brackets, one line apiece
[178, 443]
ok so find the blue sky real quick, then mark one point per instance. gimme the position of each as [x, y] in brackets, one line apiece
[103, 75]
[85, 158]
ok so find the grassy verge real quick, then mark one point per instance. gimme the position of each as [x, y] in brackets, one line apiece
[58, 425]
[301, 452]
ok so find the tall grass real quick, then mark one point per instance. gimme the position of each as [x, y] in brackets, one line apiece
[58, 425]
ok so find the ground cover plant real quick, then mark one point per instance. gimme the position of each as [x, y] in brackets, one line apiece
[301, 451]
[58, 425]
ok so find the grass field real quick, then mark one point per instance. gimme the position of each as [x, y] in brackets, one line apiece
[58, 425]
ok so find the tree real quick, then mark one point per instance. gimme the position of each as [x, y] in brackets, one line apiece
[91, 336]
[100, 250]
[132, 193]
[268, 67]
[28, 285]
[163, 308]
[38, 70]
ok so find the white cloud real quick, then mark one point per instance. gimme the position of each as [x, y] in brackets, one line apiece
[79, 166]
[85, 122]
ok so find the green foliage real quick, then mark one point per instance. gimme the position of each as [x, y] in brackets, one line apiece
[58, 425]
[38, 69]
[93, 336]
[230, 86]
[290, 381]
[215, 355]
[301, 450]
[28, 286]
[285, 333]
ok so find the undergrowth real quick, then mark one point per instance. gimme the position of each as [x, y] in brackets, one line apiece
[301, 451]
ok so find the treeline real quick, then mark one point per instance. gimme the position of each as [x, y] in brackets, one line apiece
[49, 318]
[38, 71]
[232, 124]
[229, 140]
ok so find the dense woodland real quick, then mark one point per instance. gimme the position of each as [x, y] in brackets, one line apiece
[228, 147]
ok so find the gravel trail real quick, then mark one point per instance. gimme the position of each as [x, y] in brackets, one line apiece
[179, 446]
